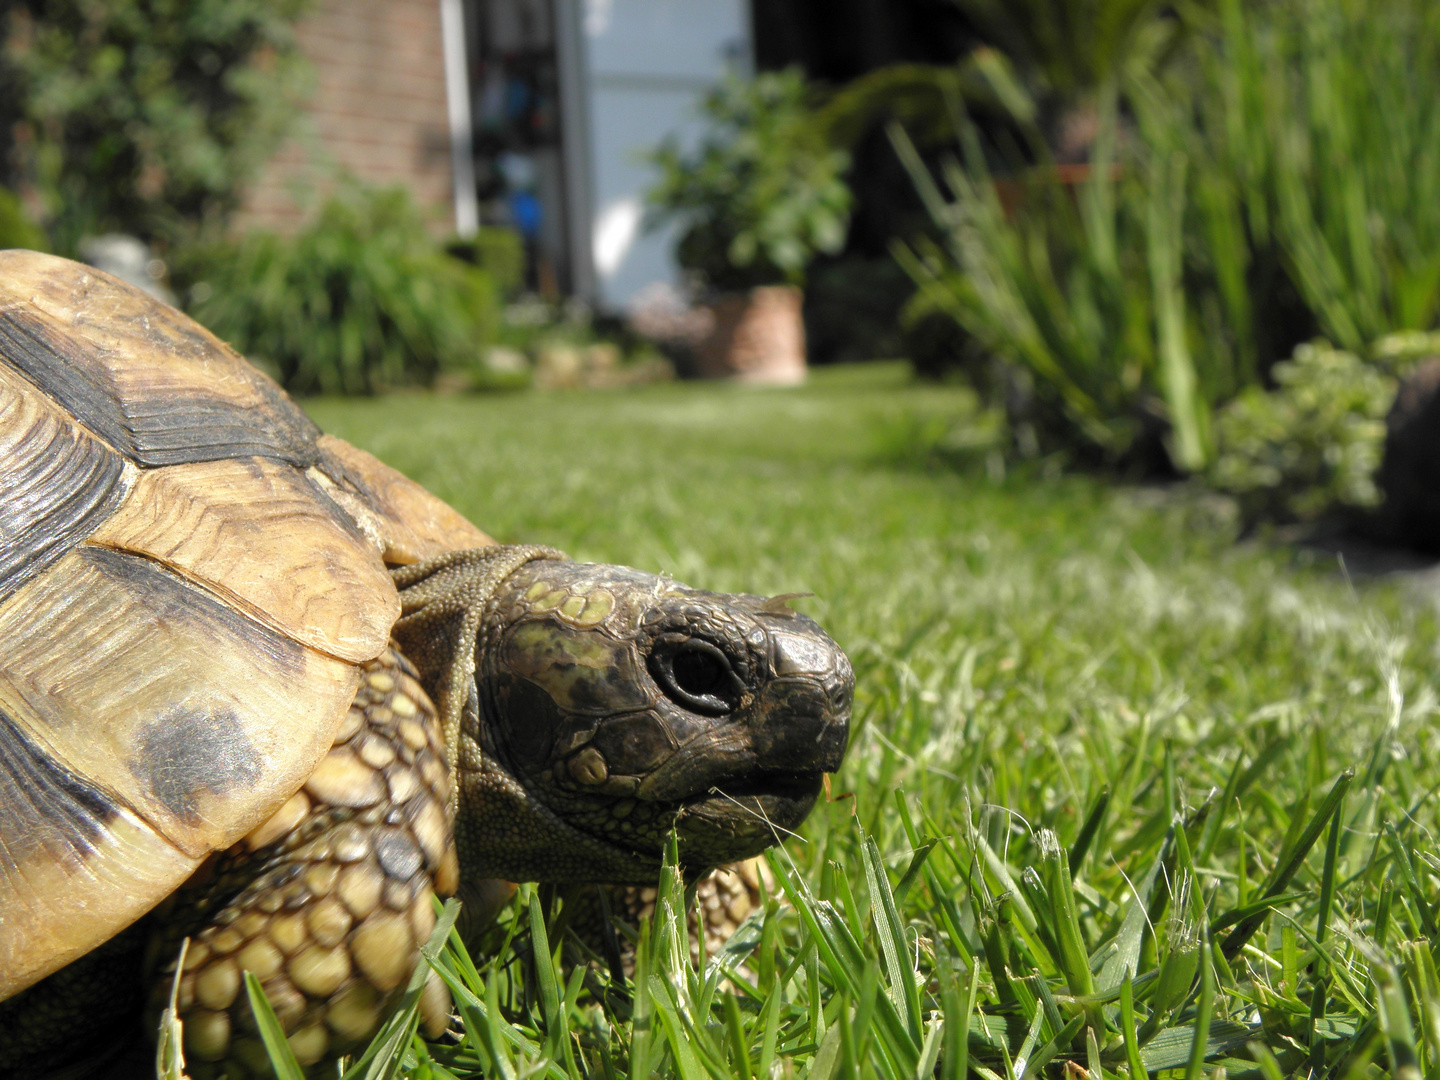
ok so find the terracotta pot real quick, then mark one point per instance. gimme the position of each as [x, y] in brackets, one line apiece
[754, 337]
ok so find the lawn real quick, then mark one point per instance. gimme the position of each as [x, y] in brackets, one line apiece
[1127, 795]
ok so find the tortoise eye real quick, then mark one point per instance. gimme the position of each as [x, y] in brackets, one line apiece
[695, 675]
[700, 672]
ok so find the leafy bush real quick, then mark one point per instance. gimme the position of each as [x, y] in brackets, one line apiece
[139, 116]
[764, 191]
[1284, 161]
[500, 252]
[16, 228]
[1068, 49]
[1323, 119]
[360, 300]
[1313, 442]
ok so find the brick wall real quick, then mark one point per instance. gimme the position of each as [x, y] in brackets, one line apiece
[378, 110]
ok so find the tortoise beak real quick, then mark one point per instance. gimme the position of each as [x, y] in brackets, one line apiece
[796, 730]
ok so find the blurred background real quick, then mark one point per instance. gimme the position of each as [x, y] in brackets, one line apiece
[1191, 239]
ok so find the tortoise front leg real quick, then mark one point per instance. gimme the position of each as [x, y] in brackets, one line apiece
[329, 901]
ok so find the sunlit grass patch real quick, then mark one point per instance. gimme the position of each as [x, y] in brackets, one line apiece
[1122, 796]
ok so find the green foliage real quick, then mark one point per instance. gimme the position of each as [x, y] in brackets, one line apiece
[1313, 442]
[1323, 121]
[1283, 158]
[1082, 288]
[16, 228]
[1181, 714]
[762, 193]
[142, 116]
[926, 98]
[1069, 49]
[500, 252]
[359, 300]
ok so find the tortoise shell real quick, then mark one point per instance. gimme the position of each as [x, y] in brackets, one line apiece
[191, 576]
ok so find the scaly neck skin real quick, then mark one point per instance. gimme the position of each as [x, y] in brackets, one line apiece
[501, 830]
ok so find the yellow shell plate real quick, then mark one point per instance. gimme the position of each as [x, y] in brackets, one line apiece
[155, 385]
[405, 521]
[53, 910]
[259, 534]
[194, 721]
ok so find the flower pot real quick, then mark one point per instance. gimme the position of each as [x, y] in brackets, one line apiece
[754, 337]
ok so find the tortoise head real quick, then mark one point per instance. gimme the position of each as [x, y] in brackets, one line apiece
[613, 705]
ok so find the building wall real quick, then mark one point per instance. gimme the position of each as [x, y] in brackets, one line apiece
[646, 66]
[378, 111]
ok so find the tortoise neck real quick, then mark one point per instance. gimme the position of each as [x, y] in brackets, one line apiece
[449, 606]
[502, 830]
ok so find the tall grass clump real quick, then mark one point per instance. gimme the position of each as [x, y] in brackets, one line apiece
[360, 299]
[1082, 289]
[1272, 176]
[1325, 117]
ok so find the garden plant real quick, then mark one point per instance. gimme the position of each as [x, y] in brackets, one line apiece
[764, 192]
[1258, 175]
[144, 118]
[360, 299]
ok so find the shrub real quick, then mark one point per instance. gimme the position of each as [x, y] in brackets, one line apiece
[1323, 117]
[1083, 288]
[1312, 443]
[360, 300]
[1277, 177]
[141, 116]
[16, 228]
[764, 191]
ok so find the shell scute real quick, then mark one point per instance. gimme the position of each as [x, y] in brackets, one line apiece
[404, 521]
[200, 719]
[260, 534]
[60, 483]
[152, 383]
[195, 720]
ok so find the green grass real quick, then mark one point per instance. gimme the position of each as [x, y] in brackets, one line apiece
[1126, 796]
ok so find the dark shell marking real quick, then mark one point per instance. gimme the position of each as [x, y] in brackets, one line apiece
[60, 484]
[140, 681]
[44, 804]
[152, 413]
[184, 751]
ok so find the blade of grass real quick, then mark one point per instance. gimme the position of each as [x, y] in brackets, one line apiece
[1093, 820]
[1204, 1008]
[1291, 861]
[891, 935]
[282, 1058]
[1127, 1029]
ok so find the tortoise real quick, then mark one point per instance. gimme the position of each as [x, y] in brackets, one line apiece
[263, 693]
